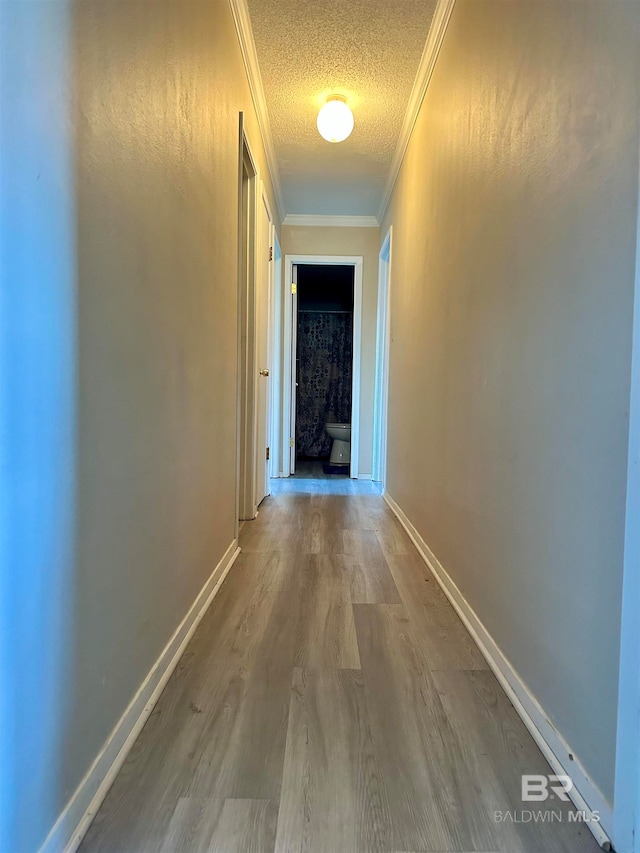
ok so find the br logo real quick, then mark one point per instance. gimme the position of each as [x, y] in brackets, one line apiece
[537, 788]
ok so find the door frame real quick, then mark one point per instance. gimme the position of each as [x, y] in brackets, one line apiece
[246, 412]
[262, 257]
[383, 346]
[291, 359]
[275, 432]
[356, 261]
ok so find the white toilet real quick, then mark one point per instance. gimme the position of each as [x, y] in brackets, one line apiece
[341, 447]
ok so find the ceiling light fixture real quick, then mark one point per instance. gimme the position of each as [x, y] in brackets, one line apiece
[335, 119]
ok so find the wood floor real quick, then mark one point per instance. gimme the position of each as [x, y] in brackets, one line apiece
[330, 702]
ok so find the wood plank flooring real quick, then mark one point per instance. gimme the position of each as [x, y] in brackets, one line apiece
[330, 701]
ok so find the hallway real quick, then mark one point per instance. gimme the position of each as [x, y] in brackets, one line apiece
[170, 681]
[330, 700]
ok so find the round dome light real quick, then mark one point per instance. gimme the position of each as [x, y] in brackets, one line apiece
[335, 120]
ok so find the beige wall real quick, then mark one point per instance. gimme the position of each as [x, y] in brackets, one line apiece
[140, 112]
[511, 309]
[160, 89]
[320, 240]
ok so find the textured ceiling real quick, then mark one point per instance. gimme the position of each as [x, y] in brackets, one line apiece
[367, 50]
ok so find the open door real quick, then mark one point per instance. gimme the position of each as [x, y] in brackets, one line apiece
[245, 487]
[263, 314]
[294, 366]
[255, 284]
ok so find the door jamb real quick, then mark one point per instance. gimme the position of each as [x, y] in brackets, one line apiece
[246, 331]
[261, 252]
[277, 371]
[383, 347]
[292, 404]
[329, 260]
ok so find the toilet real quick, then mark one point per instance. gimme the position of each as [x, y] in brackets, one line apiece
[341, 447]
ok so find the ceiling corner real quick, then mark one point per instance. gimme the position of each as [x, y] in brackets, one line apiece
[441, 18]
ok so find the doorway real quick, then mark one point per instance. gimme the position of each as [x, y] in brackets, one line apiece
[324, 361]
[322, 298]
[255, 289]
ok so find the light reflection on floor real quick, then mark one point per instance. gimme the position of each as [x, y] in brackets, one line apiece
[311, 479]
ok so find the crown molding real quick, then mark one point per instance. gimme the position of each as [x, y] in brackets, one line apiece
[430, 53]
[242, 23]
[310, 219]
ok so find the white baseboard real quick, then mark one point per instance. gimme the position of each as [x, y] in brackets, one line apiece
[586, 795]
[364, 476]
[71, 826]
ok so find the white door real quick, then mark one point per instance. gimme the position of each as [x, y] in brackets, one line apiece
[263, 313]
[275, 380]
[294, 365]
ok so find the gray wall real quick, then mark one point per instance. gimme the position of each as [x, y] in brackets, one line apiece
[511, 309]
[123, 119]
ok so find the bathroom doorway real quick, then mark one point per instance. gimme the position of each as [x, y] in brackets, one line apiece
[324, 363]
[322, 335]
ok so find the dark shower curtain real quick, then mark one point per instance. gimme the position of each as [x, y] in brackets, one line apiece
[325, 354]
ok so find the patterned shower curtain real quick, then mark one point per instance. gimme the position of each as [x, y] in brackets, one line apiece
[325, 354]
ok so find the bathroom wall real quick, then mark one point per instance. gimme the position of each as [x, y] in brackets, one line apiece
[311, 240]
[512, 286]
